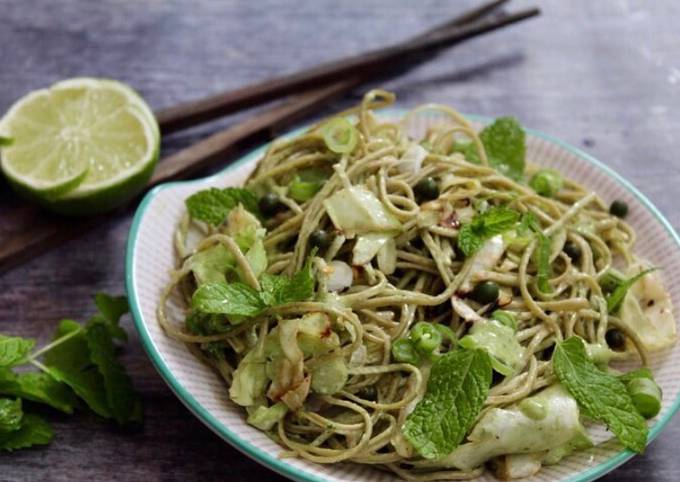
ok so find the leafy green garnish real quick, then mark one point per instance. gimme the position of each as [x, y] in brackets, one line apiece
[70, 363]
[38, 387]
[213, 205]
[491, 222]
[505, 147]
[228, 299]
[616, 297]
[604, 397]
[456, 390]
[34, 430]
[6, 141]
[239, 299]
[79, 362]
[120, 396]
[111, 309]
[10, 414]
[14, 349]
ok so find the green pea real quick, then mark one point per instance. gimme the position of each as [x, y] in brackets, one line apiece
[546, 182]
[404, 351]
[615, 339]
[485, 292]
[426, 189]
[320, 238]
[270, 204]
[619, 209]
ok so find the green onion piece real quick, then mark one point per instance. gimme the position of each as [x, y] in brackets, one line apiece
[302, 191]
[546, 182]
[426, 337]
[505, 317]
[646, 396]
[339, 135]
[446, 332]
[404, 351]
[468, 342]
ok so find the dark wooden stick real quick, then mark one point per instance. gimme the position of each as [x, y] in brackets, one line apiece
[193, 113]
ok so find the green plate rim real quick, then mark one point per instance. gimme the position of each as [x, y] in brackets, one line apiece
[271, 461]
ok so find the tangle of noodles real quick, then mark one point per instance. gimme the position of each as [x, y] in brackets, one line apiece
[361, 421]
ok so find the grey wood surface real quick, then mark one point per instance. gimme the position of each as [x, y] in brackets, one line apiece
[602, 75]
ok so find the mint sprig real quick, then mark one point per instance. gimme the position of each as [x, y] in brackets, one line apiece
[80, 362]
[504, 144]
[240, 300]
[213, 205]
[483, 226]
[604, 397]
[456, 390]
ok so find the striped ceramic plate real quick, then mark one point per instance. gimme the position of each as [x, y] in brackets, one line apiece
[150, 257]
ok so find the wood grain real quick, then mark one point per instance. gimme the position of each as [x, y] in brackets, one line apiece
[601, 75]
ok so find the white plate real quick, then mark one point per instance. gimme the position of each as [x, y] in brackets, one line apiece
[150, 257]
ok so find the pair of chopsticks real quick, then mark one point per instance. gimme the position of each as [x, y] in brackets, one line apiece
[28, 231]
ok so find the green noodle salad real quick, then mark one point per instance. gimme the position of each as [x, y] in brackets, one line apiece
[433, 305]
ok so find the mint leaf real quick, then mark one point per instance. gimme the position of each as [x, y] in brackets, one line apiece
[227, 299]
[456, 391]
[10, 415]
[493, 221]
[272, 288]
[120, 395]
[603, 396]
[213, 205]
[279, 290]
[38, 387]
[34, 430]
[615, 299]
[111, 309]
[469, 241]
[301, 285]
[14, 350]
[504, 143]
[69, 363]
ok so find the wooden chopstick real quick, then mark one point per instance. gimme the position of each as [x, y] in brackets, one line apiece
[27, 231]
[192, 113]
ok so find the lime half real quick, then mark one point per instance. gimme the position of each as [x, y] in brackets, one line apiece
[82, 146]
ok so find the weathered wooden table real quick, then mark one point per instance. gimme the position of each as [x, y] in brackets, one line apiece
[602, 75]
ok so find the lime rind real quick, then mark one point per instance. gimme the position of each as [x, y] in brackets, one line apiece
[119, 156]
